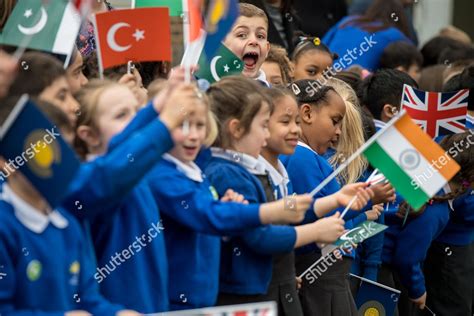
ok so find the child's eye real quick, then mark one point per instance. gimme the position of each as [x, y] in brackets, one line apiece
[312, 71]
[121, 115]
[242, 35]
[261, 36]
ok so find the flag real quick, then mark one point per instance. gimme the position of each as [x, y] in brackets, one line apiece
[438, 113]
[224, 63]
[220, 17]
[53, 27]
[192, 21]
[250, 309]
[132, 34]
[175, 6]
[413, 163]
[31, 144]
[375, 299]
[360, 233]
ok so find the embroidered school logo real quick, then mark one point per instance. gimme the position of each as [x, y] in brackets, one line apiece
[33, 270]
[46, 152]
[74, 269]
[214, 193]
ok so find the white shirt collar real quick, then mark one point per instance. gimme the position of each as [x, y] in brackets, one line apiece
[190, 170]
[278, 176]
[447, 190]
[379, 123]
[251, 164]
[262, 77]
[30, 217]
[300, 143]
[470, 118]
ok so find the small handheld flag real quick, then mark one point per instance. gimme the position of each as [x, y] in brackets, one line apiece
[31, 144]
[438, 113]
[224, 63]
[175, 6]
[251, 309]
[132, 34]
[375, 299]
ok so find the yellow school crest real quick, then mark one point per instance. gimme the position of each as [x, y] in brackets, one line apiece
[42, 152]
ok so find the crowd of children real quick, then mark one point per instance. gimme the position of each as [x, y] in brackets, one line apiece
[194, 198]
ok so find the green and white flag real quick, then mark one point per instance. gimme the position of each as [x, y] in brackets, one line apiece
[53, 27]
[224, 63]
[175, 6]
[360, 233]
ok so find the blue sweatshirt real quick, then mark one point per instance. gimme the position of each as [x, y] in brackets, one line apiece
[45, 268]
[246, 260]
[355, 46]
[193, 219]
[305, 179]
[124, 218]
[460, 229]
[405, 248]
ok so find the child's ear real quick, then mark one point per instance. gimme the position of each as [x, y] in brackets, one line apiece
[388, 111]
[401, 68]
[235, 130]
[269, 46]
[292, 70]
[306, 113]
[88, 135]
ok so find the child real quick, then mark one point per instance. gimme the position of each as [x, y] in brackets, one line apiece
[406, 246]
[74, 72]
[246, 269]
[122, 213]
[35, 280]
[312, 59]
[381, 94]
[277, 67]
[403, 56]
[248, 40]
[449, 265]
[194, 219]
[464, 81]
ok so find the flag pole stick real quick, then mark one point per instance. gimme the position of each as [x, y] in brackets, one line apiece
[355, 197]
[356, 154]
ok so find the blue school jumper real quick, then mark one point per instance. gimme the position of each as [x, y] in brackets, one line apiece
[125, 222]
[246, 260]
[405, 247]
[44, 265]
[193, 220]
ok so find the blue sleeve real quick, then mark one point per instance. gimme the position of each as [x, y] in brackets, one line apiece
[91, 300]
[463, 209]
[360, 218]
[371, 258]
[101, 184]
[412, 245]
[329, 36]
[178, 198]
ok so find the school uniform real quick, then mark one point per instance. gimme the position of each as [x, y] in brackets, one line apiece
[109, 193]
[405, 250]
[284, 274]
[247, 259]
[44, 265]
[194, 220]
[330, 294]
[449, 266]
[469, 121]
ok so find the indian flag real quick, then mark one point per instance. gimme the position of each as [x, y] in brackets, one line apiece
[413, 163]
[51, 27]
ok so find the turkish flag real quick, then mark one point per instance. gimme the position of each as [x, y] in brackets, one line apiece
[132, 35]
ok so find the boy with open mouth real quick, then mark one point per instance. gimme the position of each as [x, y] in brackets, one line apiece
[248, 40]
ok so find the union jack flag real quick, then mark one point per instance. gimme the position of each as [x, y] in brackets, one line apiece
[437, 113]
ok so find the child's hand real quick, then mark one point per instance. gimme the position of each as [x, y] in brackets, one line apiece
[181, 104]
[127, 312]
[363, 193]
[232, 196]
[299, 282]
[77, 313]
[383, 193]
[289, 210]
[329, 229]
[420, 302]
[375, 212]
[134, 82]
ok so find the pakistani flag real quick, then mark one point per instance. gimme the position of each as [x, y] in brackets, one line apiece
[51, 27]
[175, 6]
[223, 64]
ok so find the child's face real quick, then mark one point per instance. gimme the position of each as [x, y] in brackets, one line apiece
[311, 65]
[187, 146]
[273, 72]
[256, 138]
[323, 127]
[284, 127]
[248, 40]
[116, 108]
[59, 94]
[74, 74]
